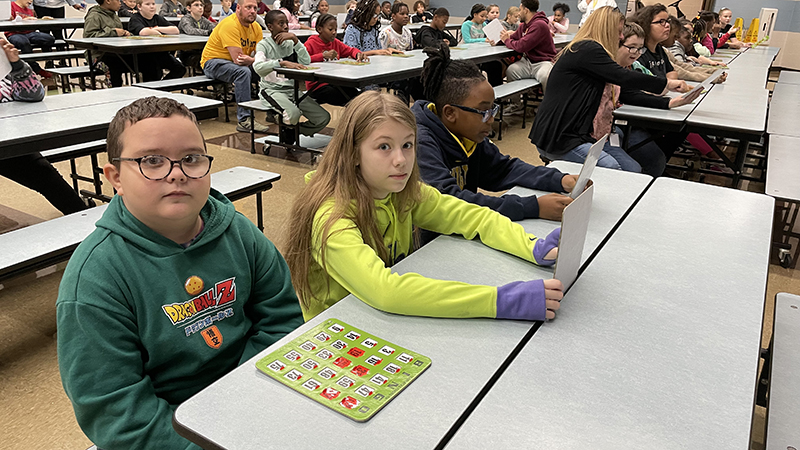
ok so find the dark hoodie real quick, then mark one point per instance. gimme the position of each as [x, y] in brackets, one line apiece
[445, 165]
[144, 323]
[533, 39]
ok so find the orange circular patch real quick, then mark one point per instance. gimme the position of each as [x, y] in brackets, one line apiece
[193, 285]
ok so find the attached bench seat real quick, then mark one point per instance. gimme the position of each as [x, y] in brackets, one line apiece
[508, 90]
[79, 72]
[52, 56]
[47, 243]
[314, 144]
[180, 84]
[71, 153]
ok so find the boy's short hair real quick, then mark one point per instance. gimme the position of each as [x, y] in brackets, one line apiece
[273, 16]
[139, 2]
[417, 3]
[100, 2]
[190, 2]
[387, 2]
[398, 6]
[533, 5]
[143, 108]
[441, 12]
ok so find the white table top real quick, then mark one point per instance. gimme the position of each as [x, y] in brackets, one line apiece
[733, 107]
[784, 398]
[789, 77]
[141, 44]
[56, 24]
[674, 117]
[240, 399]
[64, 126]
[782, 178]
[657, 343]
[615, 192]
[784, 110]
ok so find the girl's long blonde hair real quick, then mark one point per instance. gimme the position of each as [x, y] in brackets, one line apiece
[339, 178]
[602, 27]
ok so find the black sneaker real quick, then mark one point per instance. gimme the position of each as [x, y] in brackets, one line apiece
[287, 136]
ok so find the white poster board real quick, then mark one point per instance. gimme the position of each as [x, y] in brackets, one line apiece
[492, 31]
[574, 224]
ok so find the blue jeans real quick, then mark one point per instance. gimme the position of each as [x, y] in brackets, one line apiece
[227, 71]
[648, 158]
[26, 42]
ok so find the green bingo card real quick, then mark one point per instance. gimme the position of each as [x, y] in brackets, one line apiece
[344, 368]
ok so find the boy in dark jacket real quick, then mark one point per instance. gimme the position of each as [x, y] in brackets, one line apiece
[430, 36]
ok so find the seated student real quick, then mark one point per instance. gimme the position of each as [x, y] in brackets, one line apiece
[354, 219]
[309, 7]
[397, 36]
[725, 16]
[262, 8]
[350, 7]
[172, 8]
[173, 290]
[564, 125]
[435, 33]
[706, 26]
[196, 25]
[633, 38]
[127, 8]
[148, 23]
[420, 15]
[472, 28]
[227, 56]
[534, 41]
[685, 70]
[691, 50]
[322, 8]
[492, 12]
[290, 9]
[364, 30]
[454, 151]
[208, 7]
[385, 17]
[559, 22]
[511, 22]
[472, 31]
[226, 9]
[324, 46]
[32, 170]
[102, 21]
[26, 39]
[283, 49]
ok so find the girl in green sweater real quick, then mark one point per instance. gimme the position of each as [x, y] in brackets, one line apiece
[355, 218]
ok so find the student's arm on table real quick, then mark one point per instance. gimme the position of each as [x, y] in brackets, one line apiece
[273, 306]
[101, 367]
[357, 268]
[93, 27]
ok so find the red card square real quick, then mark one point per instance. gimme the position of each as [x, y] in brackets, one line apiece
[356, 352]
[360, 370]
[342, 362]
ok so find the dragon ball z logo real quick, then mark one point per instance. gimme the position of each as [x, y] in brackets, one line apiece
[223, 293]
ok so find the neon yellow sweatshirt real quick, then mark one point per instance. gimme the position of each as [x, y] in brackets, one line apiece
[354, 267]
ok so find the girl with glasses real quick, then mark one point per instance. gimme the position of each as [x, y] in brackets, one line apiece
[455, 153]
[355, 217]
[564, 127]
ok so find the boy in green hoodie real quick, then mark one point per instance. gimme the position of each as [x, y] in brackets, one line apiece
[171, 291]
[284, 49]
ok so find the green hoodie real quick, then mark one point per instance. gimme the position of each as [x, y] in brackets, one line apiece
[355, 268]
[100, 22]
[138, 333]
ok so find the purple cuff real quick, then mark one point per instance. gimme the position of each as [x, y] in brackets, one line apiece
[522, 300]
[543, 246]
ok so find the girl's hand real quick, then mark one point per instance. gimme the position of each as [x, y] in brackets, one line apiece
[394, 50]
[678, 86]
[12, 53]
[491, 42]
[362, 57]
[721, 79]
[732, 31]
[292, 65]
[553, 293]
[684, 100]
[330, 55]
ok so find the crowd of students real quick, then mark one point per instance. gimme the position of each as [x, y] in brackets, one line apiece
[174, 288]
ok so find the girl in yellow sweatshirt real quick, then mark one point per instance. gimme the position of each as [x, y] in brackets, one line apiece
[354, 220]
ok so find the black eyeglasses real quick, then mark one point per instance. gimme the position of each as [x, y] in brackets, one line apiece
[662, 22]
[158, 167]
[639, 50]
[486, 113]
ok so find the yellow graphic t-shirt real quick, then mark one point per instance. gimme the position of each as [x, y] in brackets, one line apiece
[231, 33]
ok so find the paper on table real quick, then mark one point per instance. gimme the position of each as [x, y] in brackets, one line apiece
[574, 224]
[492, 31]
[5, 65]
